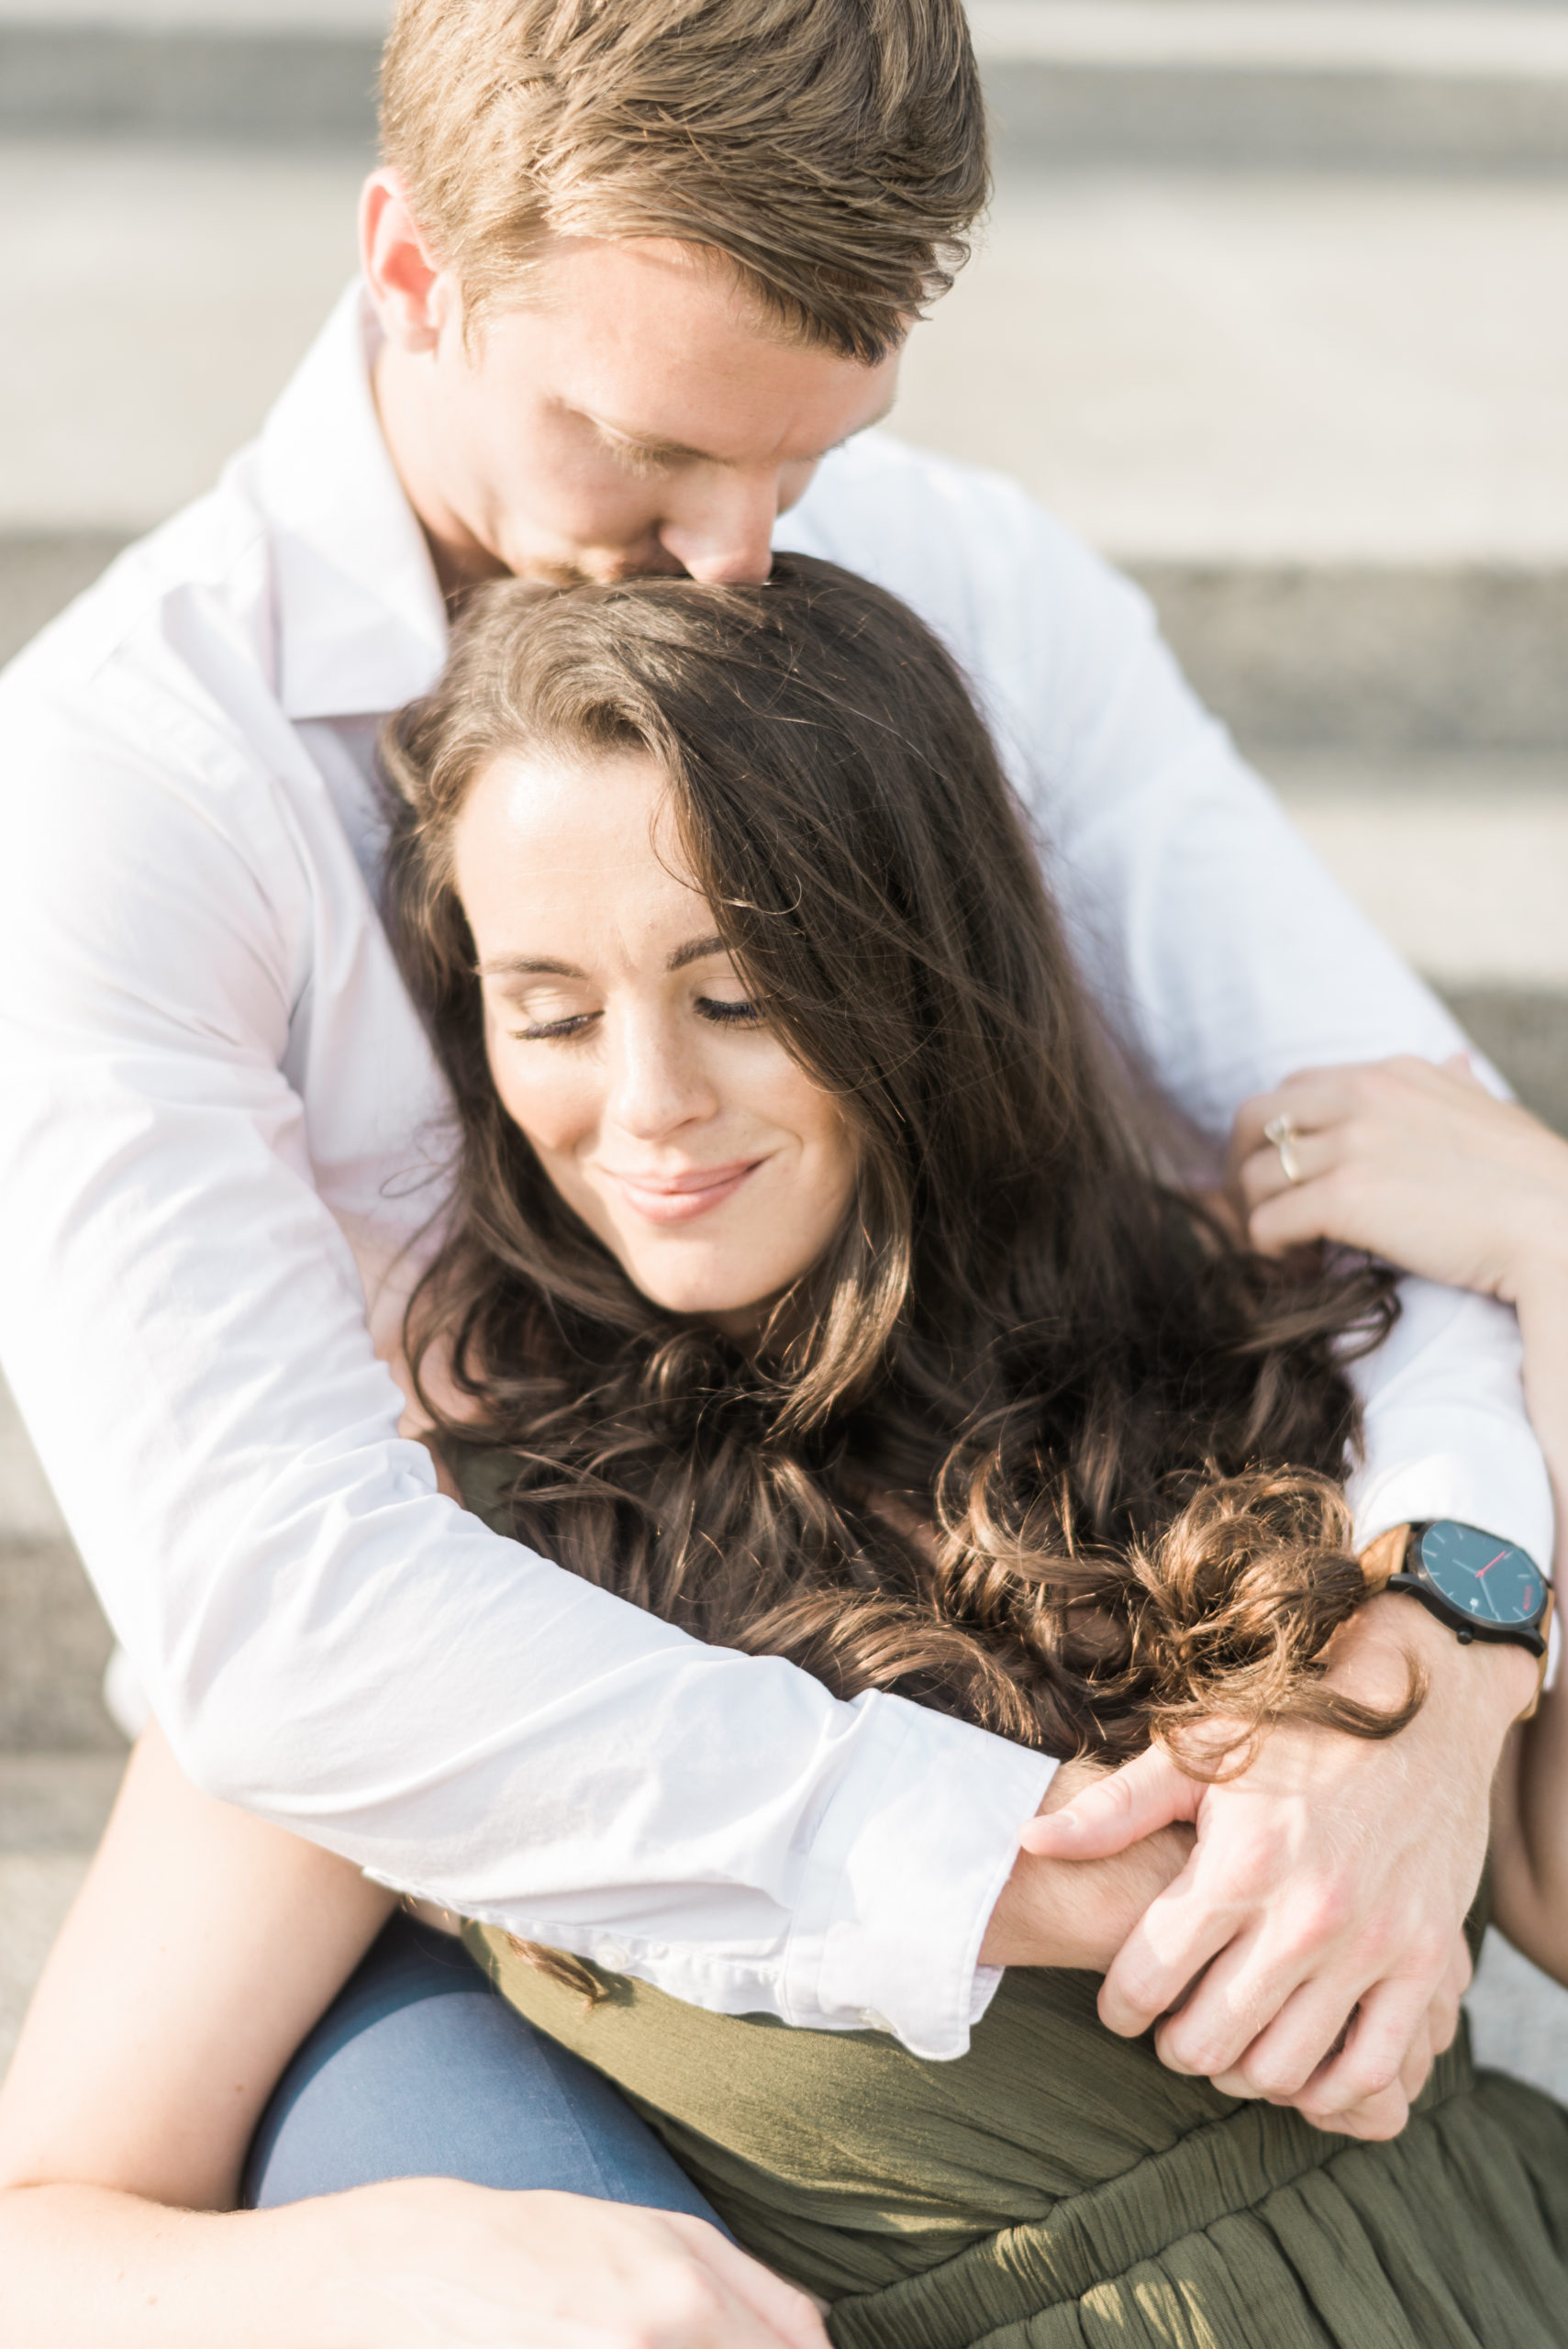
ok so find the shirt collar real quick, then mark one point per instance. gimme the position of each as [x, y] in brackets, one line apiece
[361, 624]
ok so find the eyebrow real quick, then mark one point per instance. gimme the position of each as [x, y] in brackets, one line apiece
[677, 452]
[541, 966]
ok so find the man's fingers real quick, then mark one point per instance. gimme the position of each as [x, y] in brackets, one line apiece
[1374, 2121]
[1420, 2057]
[1270, 2072]
[1119, 1809]
[1295, 2053]
[1366, 2076]
[1165, 1964]
[1244, 1992]
[1334, 2066]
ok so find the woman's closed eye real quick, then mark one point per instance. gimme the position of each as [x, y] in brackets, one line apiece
[719, 1011]
[729, 1012]
[546, 1032]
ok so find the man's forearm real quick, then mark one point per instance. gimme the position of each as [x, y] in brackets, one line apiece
[1481, 1688]
[1077, 1913]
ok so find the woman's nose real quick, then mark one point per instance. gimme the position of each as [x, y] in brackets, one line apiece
[657, 1082]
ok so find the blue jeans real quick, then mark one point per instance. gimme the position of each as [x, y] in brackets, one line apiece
[422, 2070]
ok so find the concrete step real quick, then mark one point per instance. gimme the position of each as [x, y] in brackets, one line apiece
[1462, 861]
[1182, 85]
[1282, 373]
[52, 1809]
[286, 74]
[1172, 82]
[54, 1642]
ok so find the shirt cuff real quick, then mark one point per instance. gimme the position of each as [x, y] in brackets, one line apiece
[1481, 1468]
[1500, 1484]
[905, 1868]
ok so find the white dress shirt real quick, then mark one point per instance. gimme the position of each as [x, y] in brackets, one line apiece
[222, 1124]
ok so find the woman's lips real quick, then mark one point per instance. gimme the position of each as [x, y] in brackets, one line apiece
[677, 1198]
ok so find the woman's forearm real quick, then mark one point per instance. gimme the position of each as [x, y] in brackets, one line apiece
[1530, 1849]
[1540, 1298]
[88, 2268]
[412, 2263]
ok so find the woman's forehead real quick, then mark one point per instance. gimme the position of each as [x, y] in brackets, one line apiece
[565, 857]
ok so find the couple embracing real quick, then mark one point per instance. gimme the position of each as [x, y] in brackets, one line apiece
[624, 1004]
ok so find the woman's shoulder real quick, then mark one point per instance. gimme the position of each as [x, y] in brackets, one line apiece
[484, 1473]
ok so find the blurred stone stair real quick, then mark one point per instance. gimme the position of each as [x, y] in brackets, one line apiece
[1270, 307]
[1384, 85]
[61, 1756]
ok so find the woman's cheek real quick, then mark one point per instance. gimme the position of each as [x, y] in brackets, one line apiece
[550, 1103]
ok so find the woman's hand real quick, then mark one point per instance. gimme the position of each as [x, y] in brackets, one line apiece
[421, 2264]
[426, 2263]
[1410, 1162]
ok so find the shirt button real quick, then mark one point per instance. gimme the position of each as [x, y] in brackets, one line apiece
[614, 1956]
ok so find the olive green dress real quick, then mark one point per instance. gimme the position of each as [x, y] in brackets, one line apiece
[1056, 2186]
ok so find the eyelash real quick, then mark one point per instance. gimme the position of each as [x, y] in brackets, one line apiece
[564, 1032]
[728, 1015]
[643, 465]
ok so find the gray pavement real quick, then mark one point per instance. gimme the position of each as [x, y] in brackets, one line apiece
[1172, 84]
[163, 299]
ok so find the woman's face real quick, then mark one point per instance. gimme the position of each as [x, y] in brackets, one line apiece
[660, 1105]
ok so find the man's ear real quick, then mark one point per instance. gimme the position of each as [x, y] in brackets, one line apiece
[413, 296]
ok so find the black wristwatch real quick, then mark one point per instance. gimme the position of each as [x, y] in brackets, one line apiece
[1481, 1587]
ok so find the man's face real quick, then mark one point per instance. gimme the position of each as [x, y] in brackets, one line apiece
[638, 416]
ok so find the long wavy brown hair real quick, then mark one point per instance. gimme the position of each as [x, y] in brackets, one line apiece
[1033, 1442]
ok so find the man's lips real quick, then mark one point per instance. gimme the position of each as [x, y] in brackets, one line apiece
[677, 1198]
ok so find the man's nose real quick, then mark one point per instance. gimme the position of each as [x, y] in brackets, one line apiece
[725, 536]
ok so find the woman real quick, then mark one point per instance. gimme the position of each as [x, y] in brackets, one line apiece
[808, 1285]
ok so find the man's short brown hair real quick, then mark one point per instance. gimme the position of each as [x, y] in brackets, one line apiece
[835, 149]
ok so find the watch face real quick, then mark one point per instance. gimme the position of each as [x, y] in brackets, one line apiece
[1492, 1580]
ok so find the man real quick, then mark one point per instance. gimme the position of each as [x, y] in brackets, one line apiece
[636, 277]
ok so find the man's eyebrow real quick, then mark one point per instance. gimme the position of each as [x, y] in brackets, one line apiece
[677, 452]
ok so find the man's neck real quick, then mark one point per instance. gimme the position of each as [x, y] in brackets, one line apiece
[460, 560]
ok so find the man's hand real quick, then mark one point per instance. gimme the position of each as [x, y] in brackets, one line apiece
[1078, 1912]
[1310, 1952]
